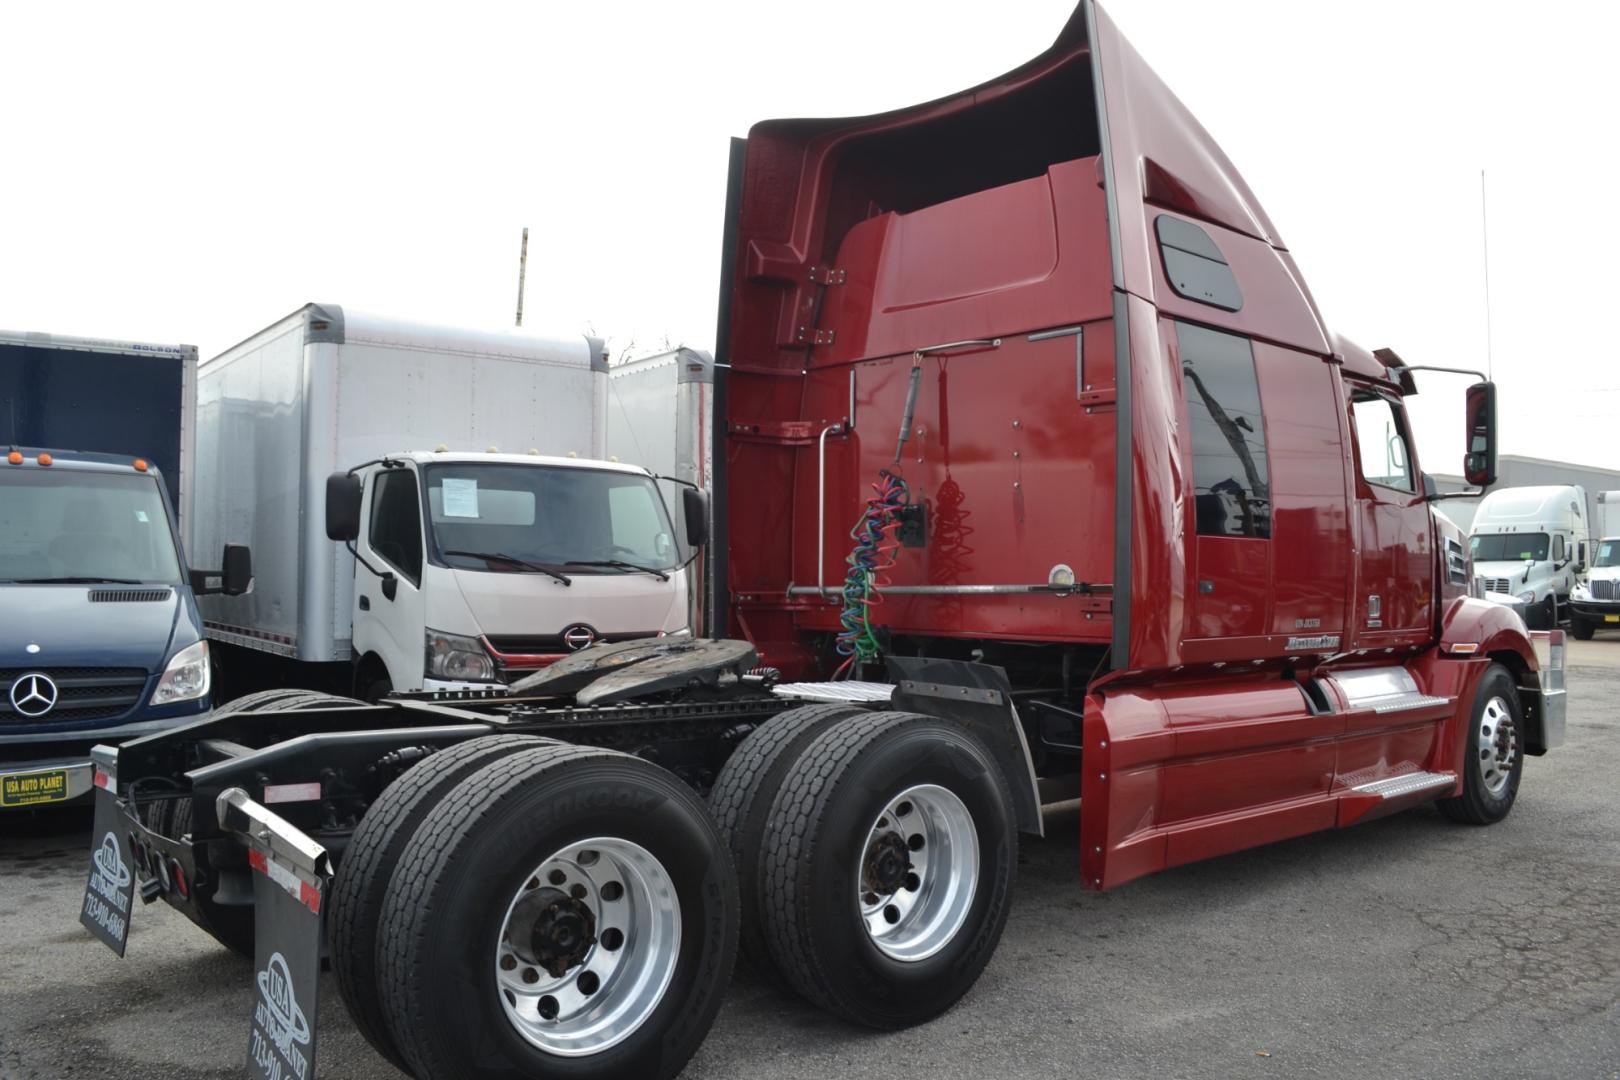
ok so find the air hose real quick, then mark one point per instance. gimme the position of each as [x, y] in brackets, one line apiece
[872, 555]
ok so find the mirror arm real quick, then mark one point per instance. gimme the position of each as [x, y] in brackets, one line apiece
[362, 560]
[1441, 496]
[1448, 370]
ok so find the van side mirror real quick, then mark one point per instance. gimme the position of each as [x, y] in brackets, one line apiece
[695, 508]
[343, 506]
[236, 570]
[235, 574]
[1479, 465]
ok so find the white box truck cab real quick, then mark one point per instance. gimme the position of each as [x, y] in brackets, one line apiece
[473, 569]
[1530, 543]
[331, 390]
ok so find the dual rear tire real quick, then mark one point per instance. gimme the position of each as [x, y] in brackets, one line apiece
[877, 856]
[535, 909]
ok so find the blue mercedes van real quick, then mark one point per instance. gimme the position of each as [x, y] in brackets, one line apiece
[100, 639]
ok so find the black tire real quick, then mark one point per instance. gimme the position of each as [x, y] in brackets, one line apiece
[1479, 804]
[259, 700]
[361, 883]
[461, 870]
[741, 803]
[1581, 628]
[812, 852]
[377, 689]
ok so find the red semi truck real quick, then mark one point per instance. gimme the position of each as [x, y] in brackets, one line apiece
[1129, 522]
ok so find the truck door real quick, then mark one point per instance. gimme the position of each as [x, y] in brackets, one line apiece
[391, 540]
[1395, 569]
[1231, 485]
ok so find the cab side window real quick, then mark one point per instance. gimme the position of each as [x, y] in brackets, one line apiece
[1231, 477]
[396, 522]
[1384, 456]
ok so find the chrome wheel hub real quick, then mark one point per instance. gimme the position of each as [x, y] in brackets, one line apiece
[1497, 745]
[919, 869]
[588, 946]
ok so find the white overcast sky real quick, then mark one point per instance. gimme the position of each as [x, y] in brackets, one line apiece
[191, 172]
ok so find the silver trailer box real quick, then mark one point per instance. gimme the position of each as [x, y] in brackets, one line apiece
[327, 388]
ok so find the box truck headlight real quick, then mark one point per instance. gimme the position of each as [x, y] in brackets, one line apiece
[451, 656]
[1581, 591]
[186, 678]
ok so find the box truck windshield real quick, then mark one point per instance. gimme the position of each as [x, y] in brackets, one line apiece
[502, 517]
[1608, 554]
[60, 526]
[1509, 547]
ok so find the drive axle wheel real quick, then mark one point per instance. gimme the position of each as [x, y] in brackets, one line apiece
[886, 871]
[1493, 753]
[741, 803]
[361, 885]
[563, 912]
[918, 873]
[588, 946]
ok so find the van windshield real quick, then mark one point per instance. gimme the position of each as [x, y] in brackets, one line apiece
[66, 526]
[1509, 547]
[579, 520]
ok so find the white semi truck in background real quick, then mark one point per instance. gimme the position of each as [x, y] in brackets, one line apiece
[1530, 544]
[470, 532]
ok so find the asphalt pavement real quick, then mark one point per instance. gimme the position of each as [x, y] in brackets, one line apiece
[1406, 947]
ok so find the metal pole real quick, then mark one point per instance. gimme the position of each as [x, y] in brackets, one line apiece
[1485, 245]
[523, 268]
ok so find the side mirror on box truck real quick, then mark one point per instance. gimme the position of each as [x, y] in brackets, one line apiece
[343, 507]
[695, 509]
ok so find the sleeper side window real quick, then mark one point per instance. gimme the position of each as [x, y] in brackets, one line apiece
[396, 522]
[1231, 478]
[1383, 452]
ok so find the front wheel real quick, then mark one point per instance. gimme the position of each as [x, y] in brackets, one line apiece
[1581, 628]
[886, 870]
[563, 912]
[1493, 753]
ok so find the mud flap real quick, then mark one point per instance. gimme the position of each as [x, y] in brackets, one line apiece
[289, 888]
[109, 891]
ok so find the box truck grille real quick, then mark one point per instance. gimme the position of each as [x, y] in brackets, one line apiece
[1604, 590]
[1498, 584]
[82, 693]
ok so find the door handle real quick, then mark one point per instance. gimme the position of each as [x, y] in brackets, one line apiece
[365, 603]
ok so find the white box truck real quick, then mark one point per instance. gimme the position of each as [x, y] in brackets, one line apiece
[482, 443]
[1530, 543]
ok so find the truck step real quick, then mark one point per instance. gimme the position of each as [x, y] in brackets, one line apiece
[851, 691]
[1393, 787]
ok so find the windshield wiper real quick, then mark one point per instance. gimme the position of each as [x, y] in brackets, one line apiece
[496, 556]
[77, 581]
[621, 565]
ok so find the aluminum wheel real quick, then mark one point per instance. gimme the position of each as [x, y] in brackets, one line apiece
[588, 946]
[918, 872]
[1498, 745]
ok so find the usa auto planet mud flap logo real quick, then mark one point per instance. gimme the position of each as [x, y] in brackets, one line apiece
[110, 889]
[287, 924]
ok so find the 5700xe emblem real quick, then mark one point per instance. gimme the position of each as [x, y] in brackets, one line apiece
[34, 695]
[578, 636]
